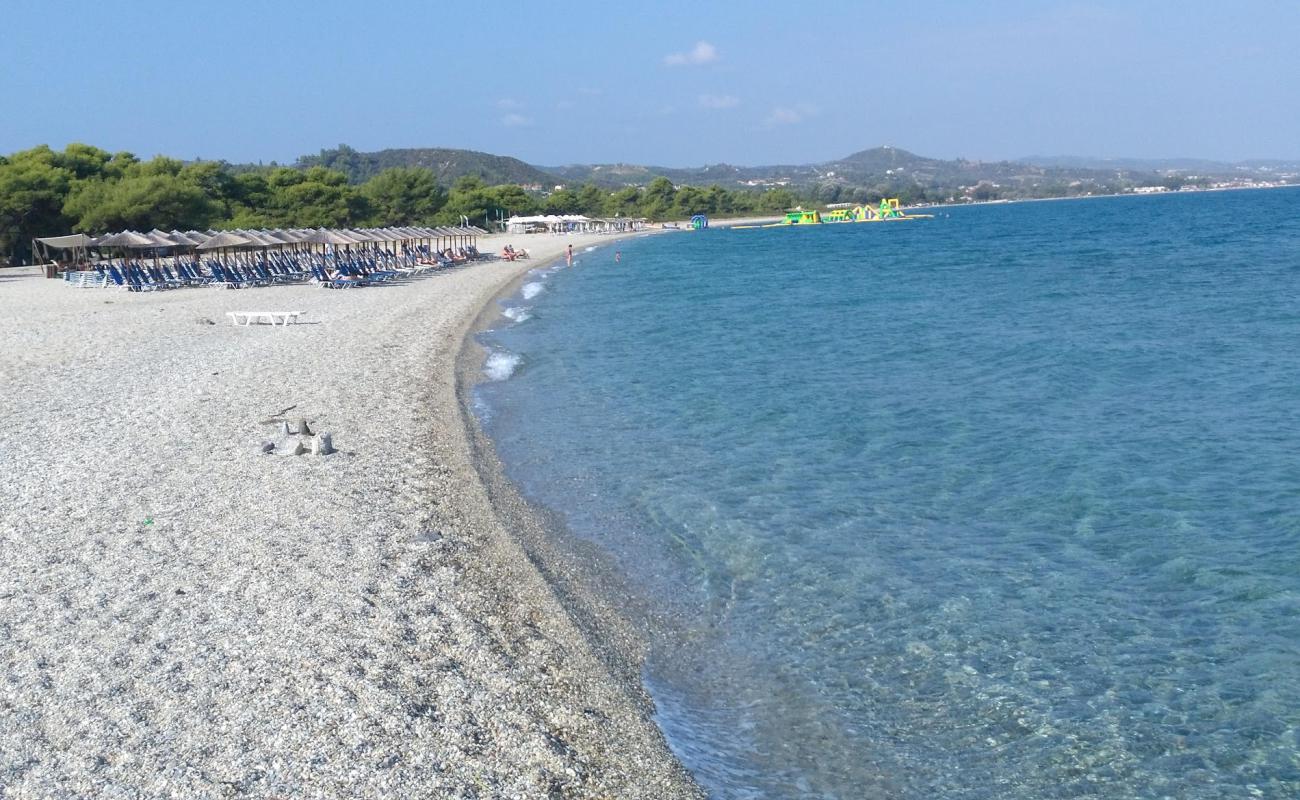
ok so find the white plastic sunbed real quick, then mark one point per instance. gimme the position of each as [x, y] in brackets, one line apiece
[282, 317]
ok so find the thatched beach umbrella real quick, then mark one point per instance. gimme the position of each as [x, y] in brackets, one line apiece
[161, 241]
[326, 236]
[129, 239]
[223, 241]
[165, 239]
[388, 239]
[126, 240]
[257, 239]
[193, 237]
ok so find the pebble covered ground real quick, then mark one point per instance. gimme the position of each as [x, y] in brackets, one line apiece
[185, 615]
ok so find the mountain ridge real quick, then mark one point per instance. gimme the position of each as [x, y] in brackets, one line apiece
[881, 170]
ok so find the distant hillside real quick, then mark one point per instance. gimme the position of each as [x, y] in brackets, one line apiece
[891, 171]
[874, 172]
[1184, 166]
[880, 168]
[447, 164]
[890, 164]
[613, 176]
[881, 159]
[1201, 165]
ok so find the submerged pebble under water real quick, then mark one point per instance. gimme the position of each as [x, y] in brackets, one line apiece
[1003, 504]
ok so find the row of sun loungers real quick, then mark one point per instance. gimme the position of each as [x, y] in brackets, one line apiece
[344, 270]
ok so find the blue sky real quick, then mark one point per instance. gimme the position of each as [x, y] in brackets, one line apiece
[667, 84]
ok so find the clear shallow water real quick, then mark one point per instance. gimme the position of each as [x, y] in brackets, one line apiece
[1001, 504]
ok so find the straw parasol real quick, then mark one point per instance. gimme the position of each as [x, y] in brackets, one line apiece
[326, 236]
[129, 239]
[223, 240]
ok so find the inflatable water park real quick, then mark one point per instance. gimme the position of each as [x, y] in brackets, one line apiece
[887, 211]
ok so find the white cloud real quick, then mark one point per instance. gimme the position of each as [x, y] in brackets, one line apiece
[701, 53]
[718, 101]
[516, 121]
[786, 115]
[509, 104]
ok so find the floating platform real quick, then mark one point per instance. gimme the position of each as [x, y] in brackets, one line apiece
[887, 211]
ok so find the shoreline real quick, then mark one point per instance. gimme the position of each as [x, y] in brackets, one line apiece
[570, 567]
[579, 575]
[185, 614]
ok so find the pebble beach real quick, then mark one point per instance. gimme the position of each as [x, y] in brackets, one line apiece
[183, 614]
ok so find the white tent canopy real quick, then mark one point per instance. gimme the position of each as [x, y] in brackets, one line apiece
[66, 242]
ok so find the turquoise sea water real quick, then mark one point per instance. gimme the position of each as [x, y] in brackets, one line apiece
[1004, 504]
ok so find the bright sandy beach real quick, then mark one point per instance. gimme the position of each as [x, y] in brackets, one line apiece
[184, 615]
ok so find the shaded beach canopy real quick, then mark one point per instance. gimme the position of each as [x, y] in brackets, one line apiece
[66, 242]
[78, 243]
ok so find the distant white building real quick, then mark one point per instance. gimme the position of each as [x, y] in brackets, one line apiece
[572, 223]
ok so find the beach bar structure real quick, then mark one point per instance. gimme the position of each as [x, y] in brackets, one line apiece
[69, 252]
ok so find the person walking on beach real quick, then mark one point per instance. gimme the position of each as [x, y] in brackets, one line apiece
[570, 257]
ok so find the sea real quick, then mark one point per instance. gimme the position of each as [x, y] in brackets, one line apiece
[999, 504]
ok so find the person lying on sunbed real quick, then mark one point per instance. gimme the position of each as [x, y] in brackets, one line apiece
[339, 275]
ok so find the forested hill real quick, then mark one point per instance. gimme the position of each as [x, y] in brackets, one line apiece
[865, 167]
[874, 171]
[894, 169]
[447, 164]
[875, 167]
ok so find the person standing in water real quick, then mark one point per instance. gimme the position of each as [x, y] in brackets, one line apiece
[618, 256]
[570, 262]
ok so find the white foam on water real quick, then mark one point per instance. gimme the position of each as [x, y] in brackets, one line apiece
[589, 248]
[481, 408]
[500, 365]
[517, 314]
[533, 289]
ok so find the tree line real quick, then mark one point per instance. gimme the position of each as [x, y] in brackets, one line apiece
[45, 192]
